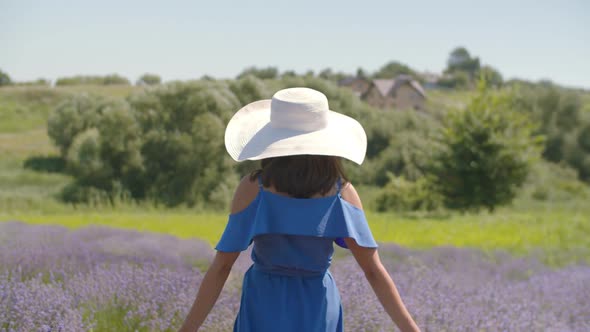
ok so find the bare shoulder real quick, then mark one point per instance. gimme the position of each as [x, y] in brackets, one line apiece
[245, 193]
[350, 195]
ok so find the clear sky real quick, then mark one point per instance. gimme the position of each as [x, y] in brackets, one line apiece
[187, 39]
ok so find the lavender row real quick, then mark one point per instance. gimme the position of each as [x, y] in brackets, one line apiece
[52, 279]
[450, 289]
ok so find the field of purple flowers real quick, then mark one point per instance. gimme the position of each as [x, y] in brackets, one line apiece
[102, 279]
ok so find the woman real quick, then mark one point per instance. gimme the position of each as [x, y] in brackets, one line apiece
[293, 210]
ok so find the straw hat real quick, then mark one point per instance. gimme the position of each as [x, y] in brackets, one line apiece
[296, 121]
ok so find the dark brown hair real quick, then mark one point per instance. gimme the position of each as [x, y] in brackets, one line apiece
[300, 176]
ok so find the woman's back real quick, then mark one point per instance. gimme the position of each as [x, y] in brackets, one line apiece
[289, 287]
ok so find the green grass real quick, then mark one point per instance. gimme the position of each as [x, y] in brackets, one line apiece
[24, 189]
[557, 236]
[25, 108]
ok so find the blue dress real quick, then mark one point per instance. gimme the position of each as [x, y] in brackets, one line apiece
[289, 286]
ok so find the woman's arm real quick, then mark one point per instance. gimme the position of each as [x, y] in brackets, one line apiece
[383, 286]
[209, 290]
[380, 280]
[220, 268]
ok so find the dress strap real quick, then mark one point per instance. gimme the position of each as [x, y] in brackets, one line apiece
[338, 185]
[260, 181]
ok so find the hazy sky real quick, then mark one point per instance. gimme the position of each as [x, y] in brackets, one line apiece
[188, 39]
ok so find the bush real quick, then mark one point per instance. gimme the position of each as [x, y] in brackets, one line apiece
[554, 183]
[402, 195]
[4, 79]
[165, 144]
[491, 75]
[563, 122]
[485, 154]
[149, 79]
[72, 117]
[37, 82]
[182, 126]
[112, 79]
[408, 154]
[84, 158]
[249, 89]
[262, 73]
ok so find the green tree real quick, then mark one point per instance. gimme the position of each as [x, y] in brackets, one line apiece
[360, 73]
[461, 60]
[249, 89]
[115, 79]
[262, 73]
[491, 75]
[4, 79]
[330, 75]
[111, 79]
[562, 121]
[288, 73]
[407, 155]
[72, 117]
[485, 153]
[182, 127]
[392, 69]
[149, 79]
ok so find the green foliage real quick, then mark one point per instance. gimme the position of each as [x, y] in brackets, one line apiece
[249, 89]
[289, 73]
[5, 78]
[402, 143]
[491, 75]
[330, 75]
[554, 183]
[84, 158]
[111, 79]
[486, 153]
[563, 122]
[461, 60]
[392, 69]
[37, 82]
[164, 144]
[402, 195]
[114, 79]
[360, 73]
[456, 80]
[72, 117]
[262, 73]
[149, 79]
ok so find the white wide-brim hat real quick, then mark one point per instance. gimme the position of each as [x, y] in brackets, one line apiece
[296, 121]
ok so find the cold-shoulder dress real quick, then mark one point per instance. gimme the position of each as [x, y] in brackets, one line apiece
[289, 287]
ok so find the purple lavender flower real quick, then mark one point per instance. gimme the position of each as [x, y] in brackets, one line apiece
[53, 279]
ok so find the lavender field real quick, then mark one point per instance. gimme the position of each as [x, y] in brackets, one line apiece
[103, 279]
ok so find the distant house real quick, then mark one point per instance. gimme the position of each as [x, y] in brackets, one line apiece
[403, 92]
[358, 85]
[430, 80]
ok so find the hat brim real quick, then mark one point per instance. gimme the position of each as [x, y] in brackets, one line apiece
[249, 135]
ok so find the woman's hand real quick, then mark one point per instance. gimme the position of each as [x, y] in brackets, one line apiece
[380, 280]
[209, 290]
